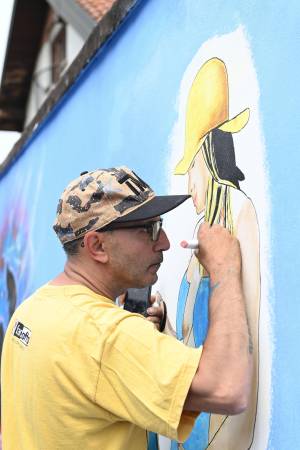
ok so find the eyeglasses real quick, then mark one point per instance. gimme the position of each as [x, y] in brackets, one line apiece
[152, 228]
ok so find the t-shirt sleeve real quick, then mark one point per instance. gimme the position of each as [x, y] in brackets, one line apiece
[145, 376]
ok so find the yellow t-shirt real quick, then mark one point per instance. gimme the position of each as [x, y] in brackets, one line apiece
[80, 373]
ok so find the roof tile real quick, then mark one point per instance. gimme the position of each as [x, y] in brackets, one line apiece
[96, 8]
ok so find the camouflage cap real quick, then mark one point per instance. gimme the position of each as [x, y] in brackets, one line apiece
[98, 198]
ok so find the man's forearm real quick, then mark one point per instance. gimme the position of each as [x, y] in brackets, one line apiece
[227, 306]
[222, 382]
[223, 379]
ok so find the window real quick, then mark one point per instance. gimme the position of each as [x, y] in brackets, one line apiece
[58, 49]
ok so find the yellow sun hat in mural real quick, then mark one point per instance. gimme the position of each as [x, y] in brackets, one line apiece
[207, 108]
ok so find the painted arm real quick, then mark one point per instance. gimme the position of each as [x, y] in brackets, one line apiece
[236, 433]
[223, 379]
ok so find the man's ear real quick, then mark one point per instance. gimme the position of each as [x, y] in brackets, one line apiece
[94, 244]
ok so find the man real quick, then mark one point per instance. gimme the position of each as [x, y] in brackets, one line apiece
[80, 373]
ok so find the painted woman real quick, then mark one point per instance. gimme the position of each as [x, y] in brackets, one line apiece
[214, 184]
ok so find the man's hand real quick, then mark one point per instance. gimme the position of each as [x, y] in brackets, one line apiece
[156, 311]
[219, 251]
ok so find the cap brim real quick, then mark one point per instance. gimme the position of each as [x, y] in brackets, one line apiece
[159, 205]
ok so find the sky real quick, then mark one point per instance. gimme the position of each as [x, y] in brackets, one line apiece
[7, 139]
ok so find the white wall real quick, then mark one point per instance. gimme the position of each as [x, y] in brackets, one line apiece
[41, 82]
[74, 42]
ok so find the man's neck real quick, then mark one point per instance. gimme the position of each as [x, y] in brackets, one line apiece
[71, 276]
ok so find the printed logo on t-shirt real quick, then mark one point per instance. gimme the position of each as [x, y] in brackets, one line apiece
[22, 333]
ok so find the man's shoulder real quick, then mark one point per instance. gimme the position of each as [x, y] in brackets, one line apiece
[76, 301]
[75, 306]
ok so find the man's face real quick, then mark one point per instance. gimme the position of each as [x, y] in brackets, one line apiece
[134, 258]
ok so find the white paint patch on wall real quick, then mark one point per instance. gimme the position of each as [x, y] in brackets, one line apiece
[234, 49]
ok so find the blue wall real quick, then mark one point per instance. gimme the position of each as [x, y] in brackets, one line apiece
[121, 111]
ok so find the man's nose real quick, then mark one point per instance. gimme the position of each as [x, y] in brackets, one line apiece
[163, 242]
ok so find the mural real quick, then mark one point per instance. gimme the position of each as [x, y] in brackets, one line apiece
[209, 161]
[206, 134]
[203, 142]
[14, 263]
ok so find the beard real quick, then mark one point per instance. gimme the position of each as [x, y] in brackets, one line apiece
[133, 270]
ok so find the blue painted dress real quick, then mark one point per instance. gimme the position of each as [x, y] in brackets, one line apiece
[198, 439]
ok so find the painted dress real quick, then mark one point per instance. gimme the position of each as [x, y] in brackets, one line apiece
[198, 439]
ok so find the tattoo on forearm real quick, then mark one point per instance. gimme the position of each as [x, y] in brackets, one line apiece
[230, 271]
[214, 286]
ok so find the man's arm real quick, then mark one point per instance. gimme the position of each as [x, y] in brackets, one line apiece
[222, 382]
[237, 431]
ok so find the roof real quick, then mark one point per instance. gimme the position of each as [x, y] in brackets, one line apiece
[102, 32]
[26, 34]
[23, 45]
[96, 8]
